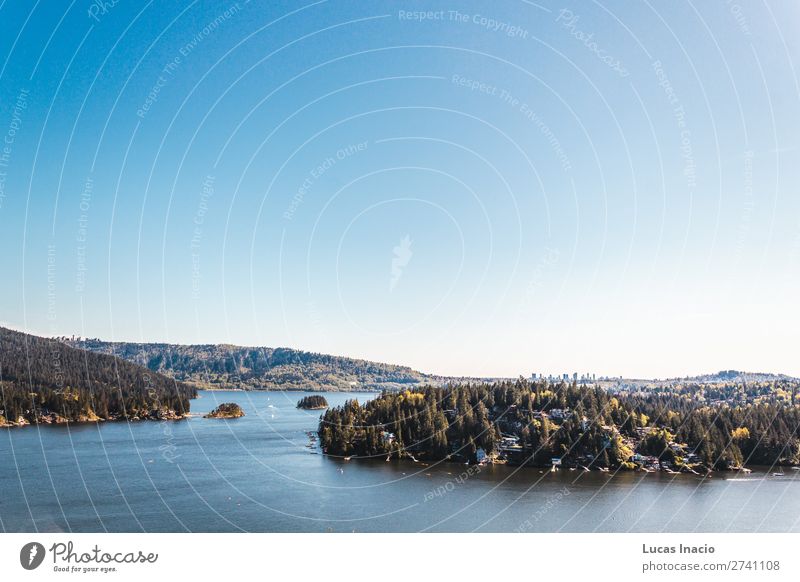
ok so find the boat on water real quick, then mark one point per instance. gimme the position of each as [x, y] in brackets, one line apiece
[778, 474]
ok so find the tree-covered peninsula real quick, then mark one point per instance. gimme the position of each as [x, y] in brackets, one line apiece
[677, 428]
[46, 381]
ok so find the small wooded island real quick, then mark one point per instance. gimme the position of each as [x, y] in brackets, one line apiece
[226, 410]
[313, 402]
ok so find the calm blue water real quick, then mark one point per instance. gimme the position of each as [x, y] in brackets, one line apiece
[256, 474]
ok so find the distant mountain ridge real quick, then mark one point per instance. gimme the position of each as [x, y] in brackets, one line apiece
[738, 376]
[223, 366]
[721, 377]
[227, 366]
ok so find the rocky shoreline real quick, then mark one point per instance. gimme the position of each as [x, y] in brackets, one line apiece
[49, 418]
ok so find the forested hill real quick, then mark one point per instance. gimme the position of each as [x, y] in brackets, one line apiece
[740, 377]
[256, 368]
[43, 380]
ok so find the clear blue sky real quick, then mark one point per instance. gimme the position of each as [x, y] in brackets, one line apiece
[595, 187]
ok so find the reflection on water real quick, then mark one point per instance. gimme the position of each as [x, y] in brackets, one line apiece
[258, 473]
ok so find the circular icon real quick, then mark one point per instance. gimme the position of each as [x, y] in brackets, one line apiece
[31, 555]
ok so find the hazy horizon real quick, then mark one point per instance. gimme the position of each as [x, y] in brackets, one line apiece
[554, 373]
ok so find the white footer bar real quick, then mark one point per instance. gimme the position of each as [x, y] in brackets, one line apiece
[400, 557]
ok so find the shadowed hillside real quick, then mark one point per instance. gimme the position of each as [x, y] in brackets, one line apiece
[44, 380]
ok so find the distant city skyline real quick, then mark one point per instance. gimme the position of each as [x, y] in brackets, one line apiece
[481, 191]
